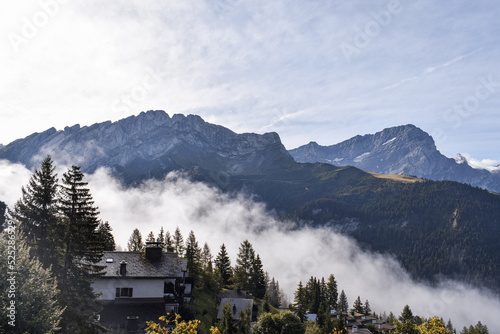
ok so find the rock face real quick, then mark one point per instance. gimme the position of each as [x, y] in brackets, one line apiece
[399, 150]
[150, 145]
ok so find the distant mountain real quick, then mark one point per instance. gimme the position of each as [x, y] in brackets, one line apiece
[150, 145]
[398, 150]
[433, 228]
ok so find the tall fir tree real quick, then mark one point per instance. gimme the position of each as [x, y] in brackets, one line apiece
[193, 256]
[161, 238]
[367, 310]
[258, 278]
[135, 243]
[178, 242]
[3, 209]
[244, 267]
[274, 293]
[206, 258]
[108, 240]
[82, 250]
[342, 304]
[151, 237]
[36, 307]
[358, 306]
[38, 214]
[169, 243]
[300, 302]
[226, 324]
[332, 293]
[223, 265]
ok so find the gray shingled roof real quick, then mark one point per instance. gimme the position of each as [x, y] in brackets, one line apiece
[170, 265]
[242, 304]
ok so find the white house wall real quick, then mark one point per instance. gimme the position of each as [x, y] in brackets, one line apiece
[142, 288]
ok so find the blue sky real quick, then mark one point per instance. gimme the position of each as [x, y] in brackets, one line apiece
[307, 69]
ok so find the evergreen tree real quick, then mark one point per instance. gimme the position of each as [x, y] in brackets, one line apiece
[36, 309]
[226, 325]
[342, 304]
[266, 308]
[161, 238]
[244, 267]
[258, 278]
[37, 212]
[206, 258]
[244, 321]
[358, 306]
[332, 293]
[169, 243]
[193, 256]
[135, 243]
[108, 241]
[223, 265]
[300, 302]
[178, 242]
[3, 209]
[151, 237]
[273, 291]
[83, 248]
[478, 329]
[367, 309]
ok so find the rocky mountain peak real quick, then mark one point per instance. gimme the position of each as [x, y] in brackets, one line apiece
[151, 144]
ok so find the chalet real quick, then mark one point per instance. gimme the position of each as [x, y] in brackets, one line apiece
[141, 286]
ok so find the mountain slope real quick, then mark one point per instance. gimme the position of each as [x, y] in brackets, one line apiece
[433, 228]
[150, 145]
[399, 150]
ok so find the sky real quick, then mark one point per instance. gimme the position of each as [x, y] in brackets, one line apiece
[310, 70]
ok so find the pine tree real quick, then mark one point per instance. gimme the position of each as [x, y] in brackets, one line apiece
[82, 249]
[104, 231]
[3, 209]
[178, 242]
[258, 278]
[332, 293]
[206, 258]
[161, 238]
[36, 308]
[223, 265]
[169, 243]
[358, 306]
[135, 243]
[244, 267]
[273, 291]
[226, 325]
[367, 309]
[300, 302]
[151, 237]
[342, 304]
[266, 308]
[193, 256]
[37, 212]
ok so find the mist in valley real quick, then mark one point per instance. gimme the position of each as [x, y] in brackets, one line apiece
[289, 255]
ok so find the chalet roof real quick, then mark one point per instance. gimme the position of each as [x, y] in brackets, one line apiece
[169, 265]
[237, 305]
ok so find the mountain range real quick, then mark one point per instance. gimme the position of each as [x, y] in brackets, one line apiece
[433, 227]
[399, 150]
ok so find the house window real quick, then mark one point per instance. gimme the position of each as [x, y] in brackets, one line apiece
[123, 292]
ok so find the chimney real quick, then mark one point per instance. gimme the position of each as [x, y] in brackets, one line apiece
[123, 268]
[153, 251]
[354, 329]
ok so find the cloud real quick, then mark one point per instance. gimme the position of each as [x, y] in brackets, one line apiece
[290, 255]
[488, 164]
[12, 178]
